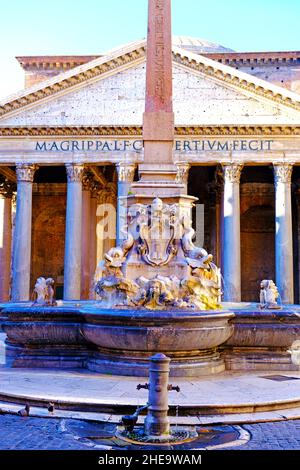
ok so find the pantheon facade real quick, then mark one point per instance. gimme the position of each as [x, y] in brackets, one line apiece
[71, 143]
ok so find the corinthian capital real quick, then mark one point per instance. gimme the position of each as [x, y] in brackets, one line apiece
[107, 195]
[75, 172]
[125, 172]
[182, 172]
[232, 173]
[87, 181]
[283, 173]
[25, 172]
[7, 188]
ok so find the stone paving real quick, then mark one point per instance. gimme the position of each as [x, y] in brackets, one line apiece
[283, 435]
[44, 433]
[243, 391]
[17, 433]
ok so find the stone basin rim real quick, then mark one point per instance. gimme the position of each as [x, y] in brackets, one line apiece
[95, 312]
[166, 314]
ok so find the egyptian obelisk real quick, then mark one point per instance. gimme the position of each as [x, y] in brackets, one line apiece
[162, 181]
[158, 126]
[158, 174]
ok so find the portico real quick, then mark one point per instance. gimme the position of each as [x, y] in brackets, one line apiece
[70, 166]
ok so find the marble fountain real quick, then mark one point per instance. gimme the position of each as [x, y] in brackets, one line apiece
[142, 308]
[158, 292]
[159, 295]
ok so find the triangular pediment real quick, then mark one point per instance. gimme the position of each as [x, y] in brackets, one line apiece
[110, 91]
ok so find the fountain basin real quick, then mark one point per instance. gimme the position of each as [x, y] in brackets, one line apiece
[120, 341]
[115, 341]
[126, 338]
[40, 337]
[263, 339]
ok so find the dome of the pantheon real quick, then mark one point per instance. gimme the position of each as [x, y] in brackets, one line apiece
[197, 45]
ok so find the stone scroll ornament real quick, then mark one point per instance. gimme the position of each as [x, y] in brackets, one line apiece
[159, 235]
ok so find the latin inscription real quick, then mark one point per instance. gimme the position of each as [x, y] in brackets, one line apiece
[185, 146]
[223, 146]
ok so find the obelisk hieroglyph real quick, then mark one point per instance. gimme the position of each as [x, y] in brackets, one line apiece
[162, 184]
[158, 126]
[157, 172]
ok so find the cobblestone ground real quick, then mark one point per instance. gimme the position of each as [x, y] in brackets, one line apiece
[17, 433]
[283, 435]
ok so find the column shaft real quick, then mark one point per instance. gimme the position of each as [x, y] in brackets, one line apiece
[231, 249]
[93, 243]
[72, 272]
[85, 244]
[22, 234]
[284, 233]
[5, 246]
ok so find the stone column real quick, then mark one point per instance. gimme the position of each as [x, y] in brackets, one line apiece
[93, 241]
[125, 178]
[6, 193]
[231, 250]
[284, 232]
[297, 243]
[72, 272]
[22, 234]
[85, 237]
[215, 193]
[214, 222]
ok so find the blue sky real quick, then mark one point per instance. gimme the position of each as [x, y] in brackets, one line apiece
[57, 27]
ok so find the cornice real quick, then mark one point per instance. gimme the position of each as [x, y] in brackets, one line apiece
[255, 58]
[135, 53]
[236, 78]
[54, 62]
[136, 131]
[232, 130]
[75, 76]
[230, 58]
[71, 131]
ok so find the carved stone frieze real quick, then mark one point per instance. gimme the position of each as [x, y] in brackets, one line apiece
[220, 130]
